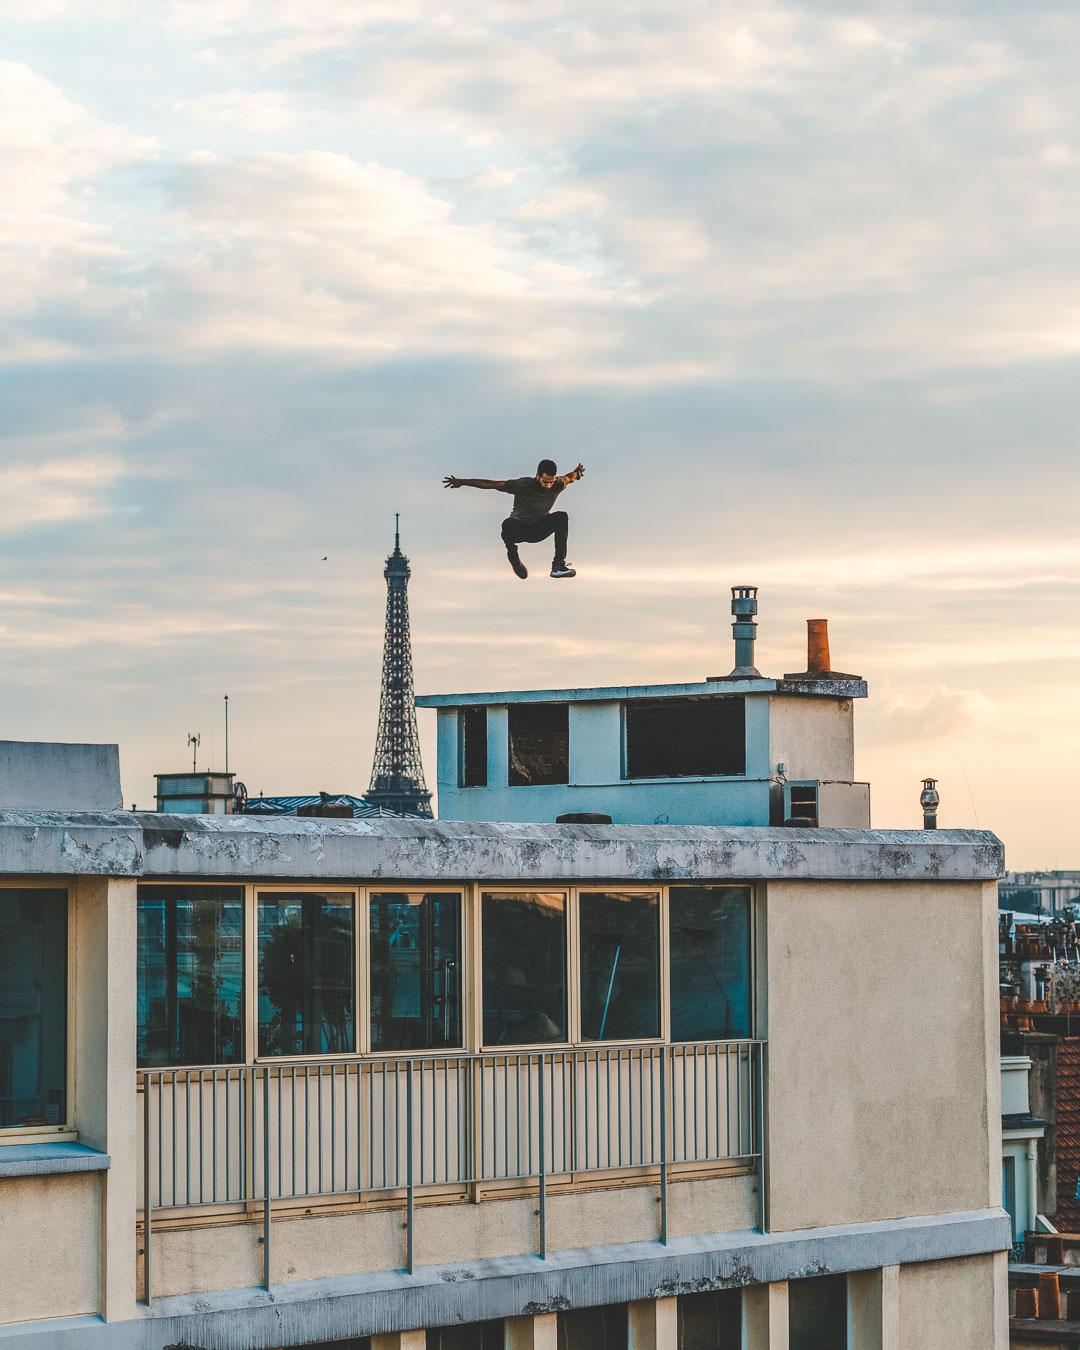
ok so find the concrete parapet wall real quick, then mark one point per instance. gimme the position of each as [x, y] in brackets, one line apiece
[121, 844]
[50, 776]
[310, 1246]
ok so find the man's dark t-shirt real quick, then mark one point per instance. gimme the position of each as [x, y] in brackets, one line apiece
[531, 501]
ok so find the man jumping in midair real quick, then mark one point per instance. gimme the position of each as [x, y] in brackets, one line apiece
[532, 518]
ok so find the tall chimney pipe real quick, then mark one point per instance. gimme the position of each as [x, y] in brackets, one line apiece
[744, 629]
[817, 647]
[929, 801]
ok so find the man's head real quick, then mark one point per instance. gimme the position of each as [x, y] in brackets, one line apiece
[546, 473]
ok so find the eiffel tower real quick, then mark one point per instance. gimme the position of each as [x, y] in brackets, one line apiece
[397, 776]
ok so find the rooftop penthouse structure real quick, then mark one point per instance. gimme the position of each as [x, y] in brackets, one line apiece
[467, 1084]
[736, 749]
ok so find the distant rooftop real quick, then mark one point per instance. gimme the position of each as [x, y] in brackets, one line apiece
[289, 806]
[843, 686]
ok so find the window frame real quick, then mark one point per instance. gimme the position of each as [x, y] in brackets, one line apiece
[755, 958]
[249, 972]
[463, 714]
[511, 708]
[251, 993]
[465, 920]
[663, 990]
[624, 774]
[67, 1130]
[472, 960]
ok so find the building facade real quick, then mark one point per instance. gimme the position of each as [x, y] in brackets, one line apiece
[739, 749]
[414, 1083]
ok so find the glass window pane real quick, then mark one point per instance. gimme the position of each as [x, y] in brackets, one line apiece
[710, 1321]
[524, 942]
[190, 975]
[710, 962]
[305, 974]
[817, 1313]
[415, 971]
[620, 966]
[33, 1007]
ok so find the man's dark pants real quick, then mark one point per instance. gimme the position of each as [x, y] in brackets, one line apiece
[516, 532]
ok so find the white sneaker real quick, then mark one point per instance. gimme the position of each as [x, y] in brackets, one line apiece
[562, 570]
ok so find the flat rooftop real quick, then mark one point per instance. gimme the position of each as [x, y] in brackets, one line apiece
[823, 687]
[138, 844]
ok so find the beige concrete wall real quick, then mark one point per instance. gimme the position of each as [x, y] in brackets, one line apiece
[953, 1304]
[313, 1246]
[49, 1246]
[813, 737]
[882, 1078]
[844, 806]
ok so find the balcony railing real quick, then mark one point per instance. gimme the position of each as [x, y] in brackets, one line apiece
[251, 1136]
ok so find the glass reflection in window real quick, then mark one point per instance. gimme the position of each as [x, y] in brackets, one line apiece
[415, 971]
[524, 953]
[190, 975]
[306, 990]
[620, 965]
[710, 962]
[33, 1007]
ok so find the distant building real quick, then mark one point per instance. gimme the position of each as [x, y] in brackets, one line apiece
[1039, 892]
[358, 807]
[198, 794]
[737, 749]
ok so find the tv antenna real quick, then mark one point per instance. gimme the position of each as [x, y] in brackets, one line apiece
[194, 740]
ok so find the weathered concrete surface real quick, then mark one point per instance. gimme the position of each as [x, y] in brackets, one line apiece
[836, 687]
[49, 776]
[61, 843]
[326, 1310]
[45, 1160]
[121, 844]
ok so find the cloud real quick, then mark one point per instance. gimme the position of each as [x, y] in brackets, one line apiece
[318, 251]
[252, 109]
[55, 493]
[938, 716]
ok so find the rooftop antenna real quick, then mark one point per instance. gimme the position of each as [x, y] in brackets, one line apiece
[226, 733]
[397, 530]
[194, 740]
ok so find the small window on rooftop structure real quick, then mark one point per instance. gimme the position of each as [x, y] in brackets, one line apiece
[685, 737]
[539, 744]
[472, 733]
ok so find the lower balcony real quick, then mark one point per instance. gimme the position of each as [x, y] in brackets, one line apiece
[305, 1169]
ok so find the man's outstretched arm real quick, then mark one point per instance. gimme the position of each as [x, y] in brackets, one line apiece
[497, 484]
[573, 475]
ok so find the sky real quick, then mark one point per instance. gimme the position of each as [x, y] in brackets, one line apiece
[797, 282]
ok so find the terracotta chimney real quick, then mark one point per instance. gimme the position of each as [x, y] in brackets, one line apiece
[1027, 1302]
[817, 647]
[1049, 1308]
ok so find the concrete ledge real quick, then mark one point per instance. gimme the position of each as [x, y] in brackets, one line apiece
[124, 845]
[338, 1309]
[49, 1160]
